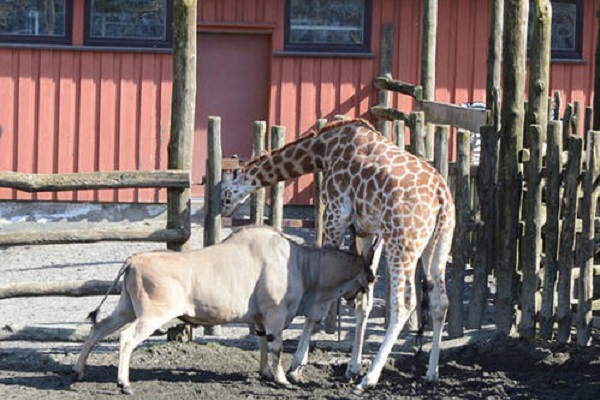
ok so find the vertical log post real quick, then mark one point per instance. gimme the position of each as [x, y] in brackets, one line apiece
[277, 140]
[553, 183]
[398, 133]
[385, 69]
[183, 112]
[566, 251]
[556, 110]
[567, 127]
[183, 109]
[487, 187]
[460, 248]
[585, 251]
[531, 249]
[319, 206]
[417, 133]
[428, 53]
[596, 104]
[440, 159]
[212, 217]
[257, 204]
[539, 66]
[509, 177]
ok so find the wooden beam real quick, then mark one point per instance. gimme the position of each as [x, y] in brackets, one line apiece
[142, 234]
[395, 85]
[176, 179]
[389, 113]
[78, 288]
[438, 113]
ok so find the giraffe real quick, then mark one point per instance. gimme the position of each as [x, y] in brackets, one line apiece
[377, 188]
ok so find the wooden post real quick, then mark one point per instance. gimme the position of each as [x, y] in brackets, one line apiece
[417, 133]
[487, 188]
[566, 251]
[440, 159]
[585, 250]
[531, 249]
[567, 127]
[385, 69]
[553, 182]
[257, 205]
[183, 111]
[557, 103]
[212, 217]
[460, 247]
[428, 53]
[596, 116]
[398, 133]
[277, 140]
[539, 66]
[509, 177]
[494, 59]
[575, 123]
[319, 206]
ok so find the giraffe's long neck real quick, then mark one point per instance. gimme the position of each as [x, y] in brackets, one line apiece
[295, 159]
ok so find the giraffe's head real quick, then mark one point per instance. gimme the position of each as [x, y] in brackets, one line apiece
[235, 190]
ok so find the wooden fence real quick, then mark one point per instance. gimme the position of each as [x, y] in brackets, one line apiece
[557, 236]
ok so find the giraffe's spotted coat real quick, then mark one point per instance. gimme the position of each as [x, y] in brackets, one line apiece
[377, 187]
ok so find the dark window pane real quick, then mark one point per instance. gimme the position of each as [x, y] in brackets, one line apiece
[328, 25]
[326, 21]
[564, 24]
[128, 19]
[32, 18]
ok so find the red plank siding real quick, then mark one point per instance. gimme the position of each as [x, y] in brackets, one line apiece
[78, 110]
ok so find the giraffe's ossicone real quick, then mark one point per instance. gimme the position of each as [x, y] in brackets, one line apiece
[378, 188]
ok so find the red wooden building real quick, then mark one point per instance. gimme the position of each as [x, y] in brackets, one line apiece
[88, 86]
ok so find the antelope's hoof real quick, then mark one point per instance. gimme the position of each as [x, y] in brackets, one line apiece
[77, 375]
[295, 376]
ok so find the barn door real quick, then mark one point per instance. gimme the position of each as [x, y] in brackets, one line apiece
[233, 83]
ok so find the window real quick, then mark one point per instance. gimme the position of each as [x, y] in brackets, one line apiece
[328, 26]
[567, 28]
[32, 21]
[128, 23]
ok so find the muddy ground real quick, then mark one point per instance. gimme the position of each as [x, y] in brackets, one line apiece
[486, 369]
[475, 367]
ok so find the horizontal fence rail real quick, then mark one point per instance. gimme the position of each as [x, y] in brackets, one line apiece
[94, 180]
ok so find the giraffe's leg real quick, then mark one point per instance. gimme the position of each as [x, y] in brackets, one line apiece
[301, 356]
[401, 271]
[438, 299]
[363, 307]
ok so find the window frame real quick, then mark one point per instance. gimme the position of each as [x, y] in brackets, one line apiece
[166, 43]
[331, 48]
[65, 39]
[557, 55]
[577, 53]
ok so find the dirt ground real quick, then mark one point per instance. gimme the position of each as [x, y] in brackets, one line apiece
[485, 369]
[478, 366]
